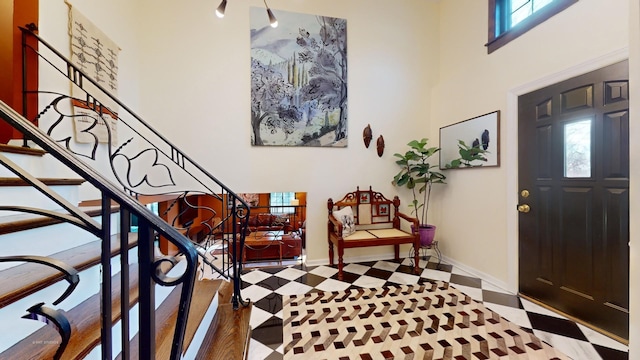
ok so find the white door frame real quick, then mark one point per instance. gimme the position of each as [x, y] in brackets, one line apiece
[511, 138]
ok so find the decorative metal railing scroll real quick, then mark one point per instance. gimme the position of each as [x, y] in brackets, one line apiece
[143, 162]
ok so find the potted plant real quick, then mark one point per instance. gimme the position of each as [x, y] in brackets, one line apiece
[418, 174]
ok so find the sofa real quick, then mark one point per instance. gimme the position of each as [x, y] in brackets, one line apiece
[268, 222]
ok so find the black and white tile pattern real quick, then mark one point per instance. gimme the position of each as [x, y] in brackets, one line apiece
[266, 286]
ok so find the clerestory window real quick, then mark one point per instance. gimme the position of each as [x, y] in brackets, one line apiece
[509, 19]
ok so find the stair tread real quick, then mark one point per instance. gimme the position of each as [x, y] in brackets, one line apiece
[21, 150]
[166, 315]
[16, 181]
[21, 222]
[19, 281]
[85, 320]
[228, 335]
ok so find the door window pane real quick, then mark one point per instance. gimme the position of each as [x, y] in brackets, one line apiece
[577, 149]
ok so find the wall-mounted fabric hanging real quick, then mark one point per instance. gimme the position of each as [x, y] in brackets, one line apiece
[96, 55]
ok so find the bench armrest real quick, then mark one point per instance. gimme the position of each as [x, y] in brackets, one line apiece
[411, 219]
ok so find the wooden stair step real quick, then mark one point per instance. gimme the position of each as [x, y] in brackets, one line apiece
[166, 315]
[85, 321]
[16, 181]
[229, 333]
[21, 150]
[41, 221]
[20, 281]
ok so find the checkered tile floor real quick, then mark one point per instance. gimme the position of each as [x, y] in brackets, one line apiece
[266, 286]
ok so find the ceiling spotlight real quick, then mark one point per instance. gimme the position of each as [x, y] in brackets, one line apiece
[272, 19]
[220, 9]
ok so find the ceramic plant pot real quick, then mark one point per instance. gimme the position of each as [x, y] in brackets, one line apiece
[427, 233]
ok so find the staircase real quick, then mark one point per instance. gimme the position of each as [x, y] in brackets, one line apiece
[96, 289]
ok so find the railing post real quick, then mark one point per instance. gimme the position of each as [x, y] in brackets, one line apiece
[24, 84]
[125, 228]
[105, 305]
[146, 292]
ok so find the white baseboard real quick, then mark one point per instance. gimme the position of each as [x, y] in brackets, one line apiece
[479, 274]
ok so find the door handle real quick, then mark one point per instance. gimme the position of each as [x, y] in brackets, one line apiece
[524, 208]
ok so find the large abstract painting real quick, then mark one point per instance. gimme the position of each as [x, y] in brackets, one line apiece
[298, 80]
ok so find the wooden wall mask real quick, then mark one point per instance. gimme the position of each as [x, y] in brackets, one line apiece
[380, 146]
[366, 136]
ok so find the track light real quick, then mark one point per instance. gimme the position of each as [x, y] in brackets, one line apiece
[220, 9]
[272, 19]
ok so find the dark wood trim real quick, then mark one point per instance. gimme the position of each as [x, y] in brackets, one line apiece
[537, 18]
[16, 13]
[5, 181]
[21, 150]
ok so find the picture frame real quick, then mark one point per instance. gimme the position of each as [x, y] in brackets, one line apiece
[483, 131]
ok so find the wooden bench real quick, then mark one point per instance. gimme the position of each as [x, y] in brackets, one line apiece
[376, 221]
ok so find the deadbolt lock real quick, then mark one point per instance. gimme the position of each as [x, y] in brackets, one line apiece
[524, 193]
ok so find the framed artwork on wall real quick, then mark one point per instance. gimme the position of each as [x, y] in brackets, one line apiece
[298, 80]
[481, 131]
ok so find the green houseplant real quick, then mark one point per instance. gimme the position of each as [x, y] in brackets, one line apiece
[418, 175]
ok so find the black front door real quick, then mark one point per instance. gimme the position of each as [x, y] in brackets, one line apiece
[574, 197]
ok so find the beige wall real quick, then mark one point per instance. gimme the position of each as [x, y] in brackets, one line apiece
[196, 72]
[186, 72]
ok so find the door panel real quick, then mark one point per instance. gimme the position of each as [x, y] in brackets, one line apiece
[574, 161]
